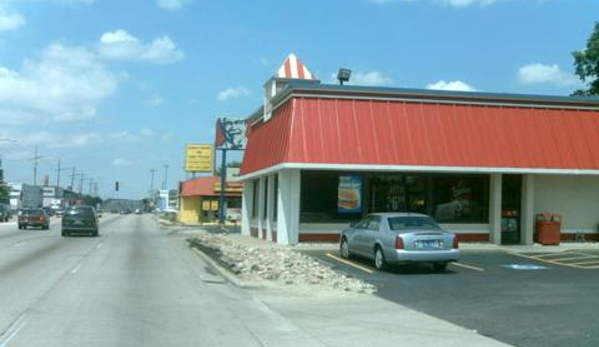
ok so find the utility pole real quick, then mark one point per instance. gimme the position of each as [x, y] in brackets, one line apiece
[62, 169]
[152, 172]
[35, 160]
[73, 179]
[91, 183]
[164, 184]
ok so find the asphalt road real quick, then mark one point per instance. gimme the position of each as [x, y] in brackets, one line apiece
[134, 285]
[518, 300]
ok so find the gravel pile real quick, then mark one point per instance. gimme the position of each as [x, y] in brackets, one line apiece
[279, 264]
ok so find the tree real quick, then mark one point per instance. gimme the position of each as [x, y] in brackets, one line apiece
[4, 192]
[586, 63]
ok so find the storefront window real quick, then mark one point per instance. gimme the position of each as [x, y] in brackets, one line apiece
[265, 205]
[255, 190]
[448, 198]
[276, 201]
[461, 199]
[319, 199]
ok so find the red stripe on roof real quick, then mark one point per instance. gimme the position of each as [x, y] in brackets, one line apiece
[300, 69]
[288, 69]
[202, 186]
[375, 132]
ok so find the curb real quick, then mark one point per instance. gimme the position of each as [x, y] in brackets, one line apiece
[224, 273]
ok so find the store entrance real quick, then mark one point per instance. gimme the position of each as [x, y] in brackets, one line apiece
[511, 199]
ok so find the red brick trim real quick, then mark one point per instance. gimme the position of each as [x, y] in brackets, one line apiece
[263, 234]
[473, 237]
[254, 232]
[319, 237]
[587, 237]
[273, 234]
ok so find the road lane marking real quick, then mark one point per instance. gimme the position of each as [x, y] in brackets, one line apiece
[12, 331]
[465, 266]
[586, 262]
[542, 260]
[22, 243]
[99, 245]
[352, 264]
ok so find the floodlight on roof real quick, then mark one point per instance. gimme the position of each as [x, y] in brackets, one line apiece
[343, 75]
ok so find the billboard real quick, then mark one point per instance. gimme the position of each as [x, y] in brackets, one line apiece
[199, 158]
[231, 133]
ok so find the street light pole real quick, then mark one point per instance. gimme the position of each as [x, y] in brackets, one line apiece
[152, 172]
[164, 184]
[35, 160]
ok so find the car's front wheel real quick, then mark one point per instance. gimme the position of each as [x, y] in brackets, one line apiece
[344, 249]
[379, 259]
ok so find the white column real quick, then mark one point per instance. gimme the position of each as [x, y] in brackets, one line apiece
[495, 209]
[261, 206]
[270, 206]
[288, 200]
[246, 207]
[527, 219]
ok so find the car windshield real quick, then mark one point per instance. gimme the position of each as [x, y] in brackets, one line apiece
[87, 211]
[412, 223]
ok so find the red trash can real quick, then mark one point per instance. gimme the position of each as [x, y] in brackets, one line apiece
[548, 228]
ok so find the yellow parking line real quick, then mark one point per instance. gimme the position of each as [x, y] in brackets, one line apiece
[468, 266]
[347, 262]
[549, 255]
[542, 260]
[581, 256]
[587, 262]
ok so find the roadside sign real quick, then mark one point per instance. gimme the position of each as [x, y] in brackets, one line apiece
[199, 158]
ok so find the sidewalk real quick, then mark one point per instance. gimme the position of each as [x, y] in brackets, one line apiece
[337, 318]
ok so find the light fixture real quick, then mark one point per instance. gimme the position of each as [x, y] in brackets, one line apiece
[343, 75]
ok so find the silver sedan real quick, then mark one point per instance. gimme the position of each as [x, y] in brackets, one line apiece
[400, 238]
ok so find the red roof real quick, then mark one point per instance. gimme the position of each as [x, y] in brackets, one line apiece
[202, 186]
[293, 68]
[313, 132]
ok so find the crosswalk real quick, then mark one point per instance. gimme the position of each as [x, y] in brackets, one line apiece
[574, 259]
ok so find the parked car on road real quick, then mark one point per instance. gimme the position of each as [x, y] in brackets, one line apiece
[59, 212]
[49, 211]
[80, 220]
[33, 217]
[400, 238]
[5, 213]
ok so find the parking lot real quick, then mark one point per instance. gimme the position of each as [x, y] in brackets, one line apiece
[524, 299]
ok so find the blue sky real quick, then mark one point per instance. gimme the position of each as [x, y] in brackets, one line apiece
[117, 88]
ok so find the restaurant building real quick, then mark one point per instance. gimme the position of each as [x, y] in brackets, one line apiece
[482, 164]
[200, 200]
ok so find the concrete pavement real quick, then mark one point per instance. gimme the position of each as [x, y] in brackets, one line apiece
[139, 285]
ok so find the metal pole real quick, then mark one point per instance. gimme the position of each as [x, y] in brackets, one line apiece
[223, 182]
[35, 167]
[73, 180]
[164, 184]
[152, 179]
[58, 175]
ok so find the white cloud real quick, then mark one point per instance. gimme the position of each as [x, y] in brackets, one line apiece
[125, 136]
[364, 78]
[120, 45]
[451, 3]
[64, 84]
[10, 20]
[146, 132]
[549, 74]
[456, 85]
[121, 162]
[171, 4]
[154, 100]
[232, 93]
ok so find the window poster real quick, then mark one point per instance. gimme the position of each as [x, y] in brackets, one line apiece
[349, 196]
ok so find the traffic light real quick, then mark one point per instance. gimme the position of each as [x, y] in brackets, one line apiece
[116, 186]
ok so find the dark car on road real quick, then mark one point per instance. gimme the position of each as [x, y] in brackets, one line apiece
[80, 220]
[33, 217]
[5, 213]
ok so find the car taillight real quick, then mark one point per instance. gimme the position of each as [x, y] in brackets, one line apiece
[399, 243]
[42, 218]
[456, 242]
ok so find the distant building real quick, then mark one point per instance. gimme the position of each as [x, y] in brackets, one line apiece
[200, 200]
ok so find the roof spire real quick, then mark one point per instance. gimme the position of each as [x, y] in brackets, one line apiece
[293, 68]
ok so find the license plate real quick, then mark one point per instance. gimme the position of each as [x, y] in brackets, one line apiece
[428, 244]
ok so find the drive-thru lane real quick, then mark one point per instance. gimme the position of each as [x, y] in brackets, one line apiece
[520, 299]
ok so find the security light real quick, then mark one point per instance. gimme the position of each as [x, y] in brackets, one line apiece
[343, 75]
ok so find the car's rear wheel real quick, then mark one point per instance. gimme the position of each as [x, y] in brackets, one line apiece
[440, 267]
[344, 249]
[379, 259]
